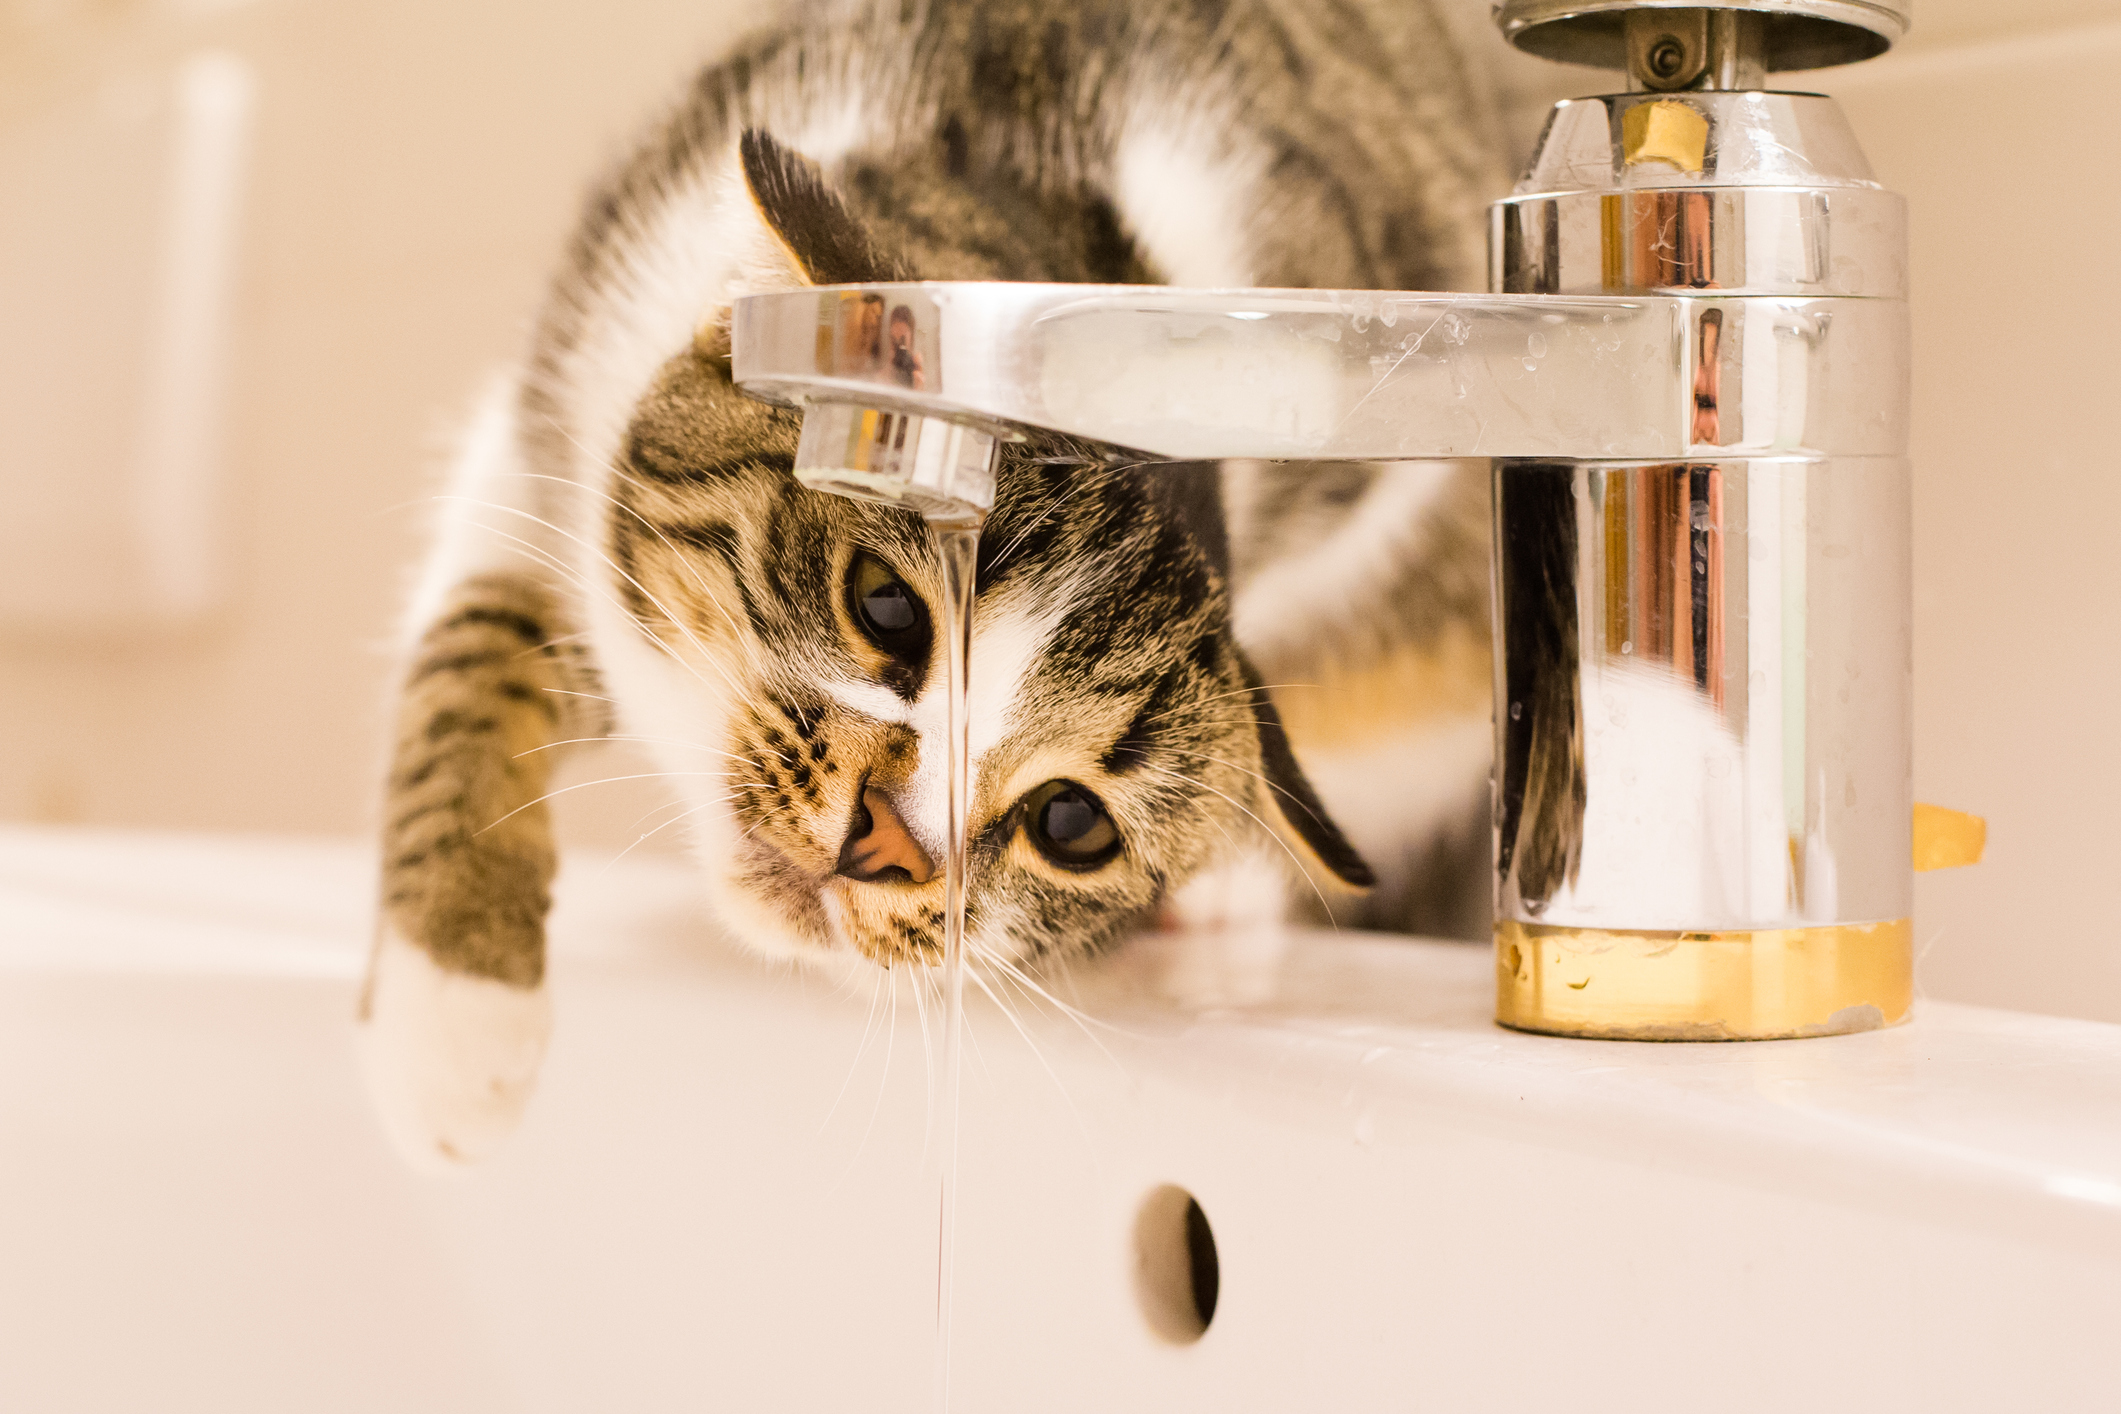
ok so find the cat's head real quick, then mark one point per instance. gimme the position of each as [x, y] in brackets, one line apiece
[1120, 742]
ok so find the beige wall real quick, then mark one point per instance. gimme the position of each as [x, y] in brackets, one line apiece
[416, 169]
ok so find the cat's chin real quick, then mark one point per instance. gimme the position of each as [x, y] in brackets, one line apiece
[820, 942]
[759, 919]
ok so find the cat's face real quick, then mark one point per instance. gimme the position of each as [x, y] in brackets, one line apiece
[782, 649]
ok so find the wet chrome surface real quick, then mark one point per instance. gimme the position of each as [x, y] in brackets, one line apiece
[1704, 695]
[1730, 193]
[1353, 374]
[1749, 139]
[1703, 667]
[1783, 241]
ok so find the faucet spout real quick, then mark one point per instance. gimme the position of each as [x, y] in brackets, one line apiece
[1366, 375]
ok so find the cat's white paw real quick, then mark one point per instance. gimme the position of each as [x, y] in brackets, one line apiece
[451, 1059]
[1246, 894]
[1227, 943]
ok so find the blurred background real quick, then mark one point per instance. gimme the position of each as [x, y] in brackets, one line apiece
[257, 256]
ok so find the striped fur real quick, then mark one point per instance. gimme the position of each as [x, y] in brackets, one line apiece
[627, 550]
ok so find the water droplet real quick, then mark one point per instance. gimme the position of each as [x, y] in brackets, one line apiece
[1516, 711]
[1531, 365]
[1627, 645]
[1536, 345]
[1361, 321]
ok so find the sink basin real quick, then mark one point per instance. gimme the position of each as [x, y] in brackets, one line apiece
[721, 1196]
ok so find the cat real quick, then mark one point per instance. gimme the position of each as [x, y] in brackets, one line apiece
[1165, 658]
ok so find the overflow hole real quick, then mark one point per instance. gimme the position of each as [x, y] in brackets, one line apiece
[1177, 1274]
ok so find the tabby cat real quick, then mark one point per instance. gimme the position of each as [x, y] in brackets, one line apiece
[1167, 660]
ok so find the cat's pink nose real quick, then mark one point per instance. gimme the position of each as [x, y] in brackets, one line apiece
[878, 848]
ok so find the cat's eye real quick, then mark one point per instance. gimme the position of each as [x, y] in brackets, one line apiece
[893, 616]
[1069, 826]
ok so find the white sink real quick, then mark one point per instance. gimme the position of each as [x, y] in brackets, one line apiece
[720, 1201]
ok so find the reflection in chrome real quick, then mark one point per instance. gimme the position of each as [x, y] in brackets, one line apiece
[1704, 693]
[943, 470]
[1779, 202]
[1349, 374]
[1692, 379]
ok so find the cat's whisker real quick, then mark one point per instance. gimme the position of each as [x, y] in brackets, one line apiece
[1044, 1064]
[643, 839]
[1044, 514]
[682, 558]
[919, 982]
[629, 736]
[662, 608]
[537, 648]
[1197, 703]
[978, 1052]
[883, 1085]
[763, 818]
[1271, 834]
[592, 696]
[1247, 770]
[543, 557]
[868, 1028]
[583, 582]
[1082, 1019]
[1228, 838]
[654, 810]
[584, 785]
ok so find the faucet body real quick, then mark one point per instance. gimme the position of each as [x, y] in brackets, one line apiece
[1703, 736]
[1690, 376]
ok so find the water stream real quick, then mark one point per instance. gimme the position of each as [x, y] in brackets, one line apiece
[959, 544]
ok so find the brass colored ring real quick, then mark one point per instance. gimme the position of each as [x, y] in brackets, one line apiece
[1742, 985]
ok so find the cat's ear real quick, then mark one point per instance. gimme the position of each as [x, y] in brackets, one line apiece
[806, 217]
[1290, 792]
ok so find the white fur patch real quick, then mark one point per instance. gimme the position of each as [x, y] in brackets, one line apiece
[451, 1059]
[1229, 941]
[1008, 640]
[1186, 195]
[488, 517]
[1246, 892]
[703, 246]
[1392, 794]
[1285, 601]
[699, 249]
[1669, 867]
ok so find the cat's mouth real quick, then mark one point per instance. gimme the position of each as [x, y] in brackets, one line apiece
[881, 899]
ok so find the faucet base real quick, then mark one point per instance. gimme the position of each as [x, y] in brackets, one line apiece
[1740, 985]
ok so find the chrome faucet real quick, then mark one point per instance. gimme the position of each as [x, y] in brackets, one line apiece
[1691, 377]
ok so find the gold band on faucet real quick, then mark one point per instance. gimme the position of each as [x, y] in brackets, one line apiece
[1743, 985]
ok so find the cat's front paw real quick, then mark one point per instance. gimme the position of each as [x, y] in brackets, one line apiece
[451, 1058]
[1247, 894]
[1223, 939]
